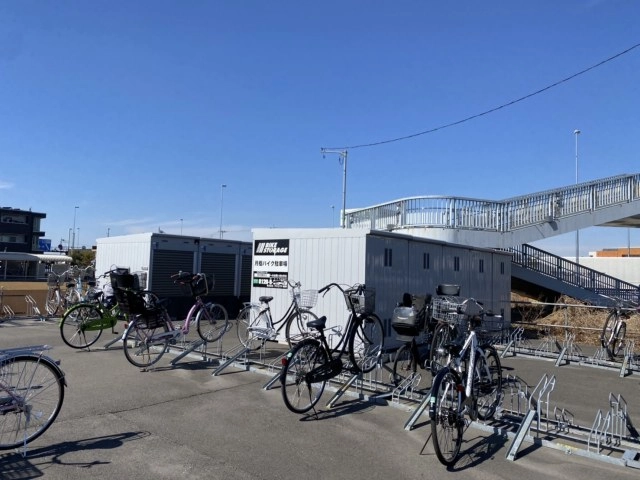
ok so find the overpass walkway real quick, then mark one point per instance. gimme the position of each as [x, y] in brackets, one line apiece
[513, 223]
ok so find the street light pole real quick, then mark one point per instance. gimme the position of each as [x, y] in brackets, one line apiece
[343, 161]
[222, 187]
[576, 133]
[180, 226]
[73, 231]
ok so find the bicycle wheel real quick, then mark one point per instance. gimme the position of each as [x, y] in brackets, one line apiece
[487, 382]
[253, 327]
[144, 345]
[31, 395]
[366, 343]
[52, 304]
[298, 394]
[81, 325]
[212, 322]
[613, 333]
[438, 356]
[296, 328]
[404, 365]
[445, 411]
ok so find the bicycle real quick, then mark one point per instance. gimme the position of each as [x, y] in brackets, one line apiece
[256, 324]
[444, 312]
[308, 366]
[615, 329]
[81, 325]
[32, 389]
[470, 384]
[412, 323]
[55, 300]
[212, 320]
[150, 329]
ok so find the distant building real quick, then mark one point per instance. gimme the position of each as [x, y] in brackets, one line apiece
[617, 252]
[20, 230]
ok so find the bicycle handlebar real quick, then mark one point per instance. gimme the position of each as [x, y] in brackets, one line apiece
[357, 288]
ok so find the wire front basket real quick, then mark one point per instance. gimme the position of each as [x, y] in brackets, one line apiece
[304, 298]
[446, 308]
[363, 303]
[53, 279]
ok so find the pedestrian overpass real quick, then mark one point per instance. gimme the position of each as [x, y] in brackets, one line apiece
[513, 223]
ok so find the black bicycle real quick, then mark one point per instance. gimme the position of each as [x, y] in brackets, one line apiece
[413, 325]
[308, 366]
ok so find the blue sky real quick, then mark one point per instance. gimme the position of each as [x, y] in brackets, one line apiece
[137, 112]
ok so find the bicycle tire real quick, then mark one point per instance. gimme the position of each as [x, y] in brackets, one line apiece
[53, 302]
[32, 392]
[300, 331]
[252, 327]
[140, 347]
[443, 334]
[404, 365]
[212, 322]
[487, 382]
[445, 411]
[81, 325]
[298, 394]
[366, 343]
[613, 333]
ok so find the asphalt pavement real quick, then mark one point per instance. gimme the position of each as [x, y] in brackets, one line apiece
[183, 422]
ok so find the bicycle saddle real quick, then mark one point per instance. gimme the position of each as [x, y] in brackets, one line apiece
[265, 299]
[318, 323]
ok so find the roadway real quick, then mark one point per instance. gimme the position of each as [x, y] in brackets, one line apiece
[182, 422]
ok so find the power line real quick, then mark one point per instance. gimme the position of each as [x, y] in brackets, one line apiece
[472, 117]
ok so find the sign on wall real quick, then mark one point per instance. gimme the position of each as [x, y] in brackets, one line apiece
[270, 263]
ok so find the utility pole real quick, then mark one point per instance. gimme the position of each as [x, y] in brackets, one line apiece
[343, 161]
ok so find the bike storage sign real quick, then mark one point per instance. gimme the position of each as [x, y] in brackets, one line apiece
[270, 263]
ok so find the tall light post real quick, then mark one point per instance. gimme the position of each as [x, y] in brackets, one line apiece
[73, 231]
[222, 187]
[343, 161]
[576, 133]
[78, 236]
[180, 226]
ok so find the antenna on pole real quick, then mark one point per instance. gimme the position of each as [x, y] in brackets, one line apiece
[343, 161]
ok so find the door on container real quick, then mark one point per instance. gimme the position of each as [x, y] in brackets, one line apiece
[223, 267]
[166, 263]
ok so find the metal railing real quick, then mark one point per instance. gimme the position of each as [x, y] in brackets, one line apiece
[560, 268]
[501, 215]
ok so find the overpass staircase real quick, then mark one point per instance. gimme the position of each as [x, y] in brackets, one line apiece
[534, 270]
[513, 223]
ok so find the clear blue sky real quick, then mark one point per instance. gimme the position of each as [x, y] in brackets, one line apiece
[137, 112]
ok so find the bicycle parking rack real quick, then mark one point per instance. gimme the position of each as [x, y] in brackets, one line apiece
[32, 308]
[271, 368]
[557, 430]
[202, 344]
[568, 352]
[231, 356]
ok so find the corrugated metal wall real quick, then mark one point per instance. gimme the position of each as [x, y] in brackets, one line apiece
[223, 267]
[167, 263]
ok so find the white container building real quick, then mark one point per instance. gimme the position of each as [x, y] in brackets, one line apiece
[157, 256]
[391, 263]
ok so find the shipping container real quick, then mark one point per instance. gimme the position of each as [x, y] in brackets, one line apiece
[389, 262]
[154, 257]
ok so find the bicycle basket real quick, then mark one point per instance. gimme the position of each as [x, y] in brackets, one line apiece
[52, 279]
[363, 303]
[446, 307]
[407, 323]
[201, 285]
[305, 298]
